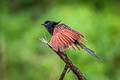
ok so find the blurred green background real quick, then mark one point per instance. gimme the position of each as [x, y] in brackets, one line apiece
[24, 57]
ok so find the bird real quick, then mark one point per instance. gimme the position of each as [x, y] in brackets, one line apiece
[63, 37]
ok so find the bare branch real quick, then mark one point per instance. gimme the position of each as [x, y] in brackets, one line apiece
[64, 72]
[68, 62]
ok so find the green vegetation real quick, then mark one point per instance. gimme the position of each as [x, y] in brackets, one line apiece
[24, 57]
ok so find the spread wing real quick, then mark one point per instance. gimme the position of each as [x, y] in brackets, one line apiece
[64, 37]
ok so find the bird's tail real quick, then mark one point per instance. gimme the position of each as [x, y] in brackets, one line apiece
[88, 50]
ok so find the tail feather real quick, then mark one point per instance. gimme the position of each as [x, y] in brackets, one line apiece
[88, 50]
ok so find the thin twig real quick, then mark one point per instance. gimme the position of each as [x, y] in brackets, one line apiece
[64, 72]
[68, 62]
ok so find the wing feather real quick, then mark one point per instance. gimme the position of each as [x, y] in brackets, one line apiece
[64, 38]
[58, 41]
[71, 35]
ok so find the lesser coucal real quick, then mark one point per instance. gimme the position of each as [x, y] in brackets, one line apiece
[64, 37]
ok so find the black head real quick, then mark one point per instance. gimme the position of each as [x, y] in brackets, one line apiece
[50, 25]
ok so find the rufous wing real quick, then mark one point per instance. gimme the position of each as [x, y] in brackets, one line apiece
[64, 39]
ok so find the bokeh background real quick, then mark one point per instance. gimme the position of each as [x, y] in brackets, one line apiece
[24, 57]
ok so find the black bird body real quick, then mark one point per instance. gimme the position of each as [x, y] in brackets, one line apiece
[64, 37]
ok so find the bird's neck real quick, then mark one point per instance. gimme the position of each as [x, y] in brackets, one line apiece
[50, 29]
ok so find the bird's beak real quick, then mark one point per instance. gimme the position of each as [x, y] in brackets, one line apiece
[43, 24]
